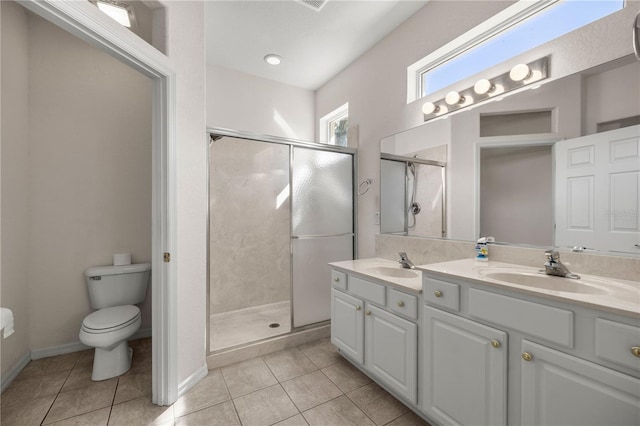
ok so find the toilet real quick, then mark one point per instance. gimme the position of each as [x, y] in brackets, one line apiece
[113, 291]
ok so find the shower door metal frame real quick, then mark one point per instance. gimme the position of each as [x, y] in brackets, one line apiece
[443, 165]
[215, 133]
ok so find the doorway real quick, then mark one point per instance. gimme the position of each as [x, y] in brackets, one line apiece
[80, 19]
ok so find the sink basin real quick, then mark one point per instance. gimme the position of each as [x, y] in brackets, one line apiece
[388, 271]
[548, 282]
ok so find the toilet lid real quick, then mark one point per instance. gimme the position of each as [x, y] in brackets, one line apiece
[110, 318]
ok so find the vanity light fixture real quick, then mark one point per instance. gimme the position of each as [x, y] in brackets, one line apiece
[273, 59]
[430, 108]
[483, 86]
[454, 97]
[487, 90]
[520, 72]
[120, 12]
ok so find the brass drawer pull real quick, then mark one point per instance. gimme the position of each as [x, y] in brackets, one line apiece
[358, 307]
[401, 303]
[635, 350]
[336, 279]
[367, 312]
[495, 343]
[438, 293]
[527, 356]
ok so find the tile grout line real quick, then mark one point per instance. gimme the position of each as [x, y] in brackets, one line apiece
[226, 385]
[57, 394]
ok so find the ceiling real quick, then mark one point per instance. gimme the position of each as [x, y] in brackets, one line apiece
[315, 45]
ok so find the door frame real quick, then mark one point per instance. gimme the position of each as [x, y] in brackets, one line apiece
[86, 22]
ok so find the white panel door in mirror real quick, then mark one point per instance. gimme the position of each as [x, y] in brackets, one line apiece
[610, 179]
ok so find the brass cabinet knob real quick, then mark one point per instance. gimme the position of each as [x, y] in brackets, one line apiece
[438, 293]
[527, 356]
[495, 343]
[358, 307]
[336, 279]
[635, 350]
[367, 312]
[401, 303]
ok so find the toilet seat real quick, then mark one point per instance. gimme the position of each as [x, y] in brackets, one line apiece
[111, 319]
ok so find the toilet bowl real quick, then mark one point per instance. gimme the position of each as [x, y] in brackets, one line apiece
[107, 330]
[113, 291]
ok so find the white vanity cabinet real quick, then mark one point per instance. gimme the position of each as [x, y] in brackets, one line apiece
[561, 389]
[371, 334]
[391, 351]
[465, 370]
[495, 356]
[347, 325]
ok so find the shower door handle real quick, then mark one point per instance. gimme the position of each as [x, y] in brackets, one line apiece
[302, 237]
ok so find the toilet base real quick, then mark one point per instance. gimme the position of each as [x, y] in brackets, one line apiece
[111, 363]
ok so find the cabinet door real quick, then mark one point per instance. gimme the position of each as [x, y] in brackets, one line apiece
[392, 351]
[465, 370]
[347, 325]
[560, 389]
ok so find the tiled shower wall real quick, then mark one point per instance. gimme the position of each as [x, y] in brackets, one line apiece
[249, 224]
[431, 250]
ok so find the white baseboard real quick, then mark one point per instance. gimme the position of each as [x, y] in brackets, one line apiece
[192, 380]
[77, 346]
[13, 373]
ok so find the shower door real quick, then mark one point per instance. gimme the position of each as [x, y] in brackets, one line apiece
[322, 227]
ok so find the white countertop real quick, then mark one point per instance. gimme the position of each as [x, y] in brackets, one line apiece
[366, 268]
[607, 294]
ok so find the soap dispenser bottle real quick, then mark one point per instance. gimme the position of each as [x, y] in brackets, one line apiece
[482, 248]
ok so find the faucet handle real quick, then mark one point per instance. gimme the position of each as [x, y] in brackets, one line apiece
[403, 255]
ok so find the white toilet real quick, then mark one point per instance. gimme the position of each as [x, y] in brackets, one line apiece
[113, 290]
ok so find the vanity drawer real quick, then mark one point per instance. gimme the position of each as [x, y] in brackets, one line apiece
[545, 322]
[339, 280]
[367, 290]
[615, 342]
[442, 293]
[403, 303]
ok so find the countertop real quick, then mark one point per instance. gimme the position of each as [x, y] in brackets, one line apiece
[366, 269]
[606, 294]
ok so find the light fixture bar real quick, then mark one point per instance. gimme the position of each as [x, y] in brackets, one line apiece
[519, 76]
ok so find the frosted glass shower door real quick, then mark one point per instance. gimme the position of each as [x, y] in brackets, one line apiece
[322, 227]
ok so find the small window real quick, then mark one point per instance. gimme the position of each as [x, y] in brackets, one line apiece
[334, 126]
[515, 30]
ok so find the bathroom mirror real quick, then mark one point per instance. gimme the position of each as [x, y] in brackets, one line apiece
[556, 165]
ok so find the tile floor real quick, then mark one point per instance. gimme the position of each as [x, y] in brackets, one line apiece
[306, 385]
[233, 328]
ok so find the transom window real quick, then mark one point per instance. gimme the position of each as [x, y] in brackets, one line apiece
[334, 126]
[511, 32]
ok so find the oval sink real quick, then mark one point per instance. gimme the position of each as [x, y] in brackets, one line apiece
[388, 271]
[547, 282]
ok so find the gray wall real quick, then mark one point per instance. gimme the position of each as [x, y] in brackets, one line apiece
[14, 125]
[516, 194]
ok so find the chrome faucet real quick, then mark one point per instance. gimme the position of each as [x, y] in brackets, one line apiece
[553, 266]
[404, 261]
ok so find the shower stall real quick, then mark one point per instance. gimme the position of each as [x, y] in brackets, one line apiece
[279, 211]
[412, 196]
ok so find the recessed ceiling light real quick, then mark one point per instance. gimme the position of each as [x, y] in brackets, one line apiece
[272, 59]
[122, 13]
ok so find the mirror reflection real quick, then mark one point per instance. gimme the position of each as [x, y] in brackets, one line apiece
[557, 165]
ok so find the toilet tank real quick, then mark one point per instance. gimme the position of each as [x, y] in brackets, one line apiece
[117, 285]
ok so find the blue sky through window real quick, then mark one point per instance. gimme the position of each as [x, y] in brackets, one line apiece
[540, 28]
